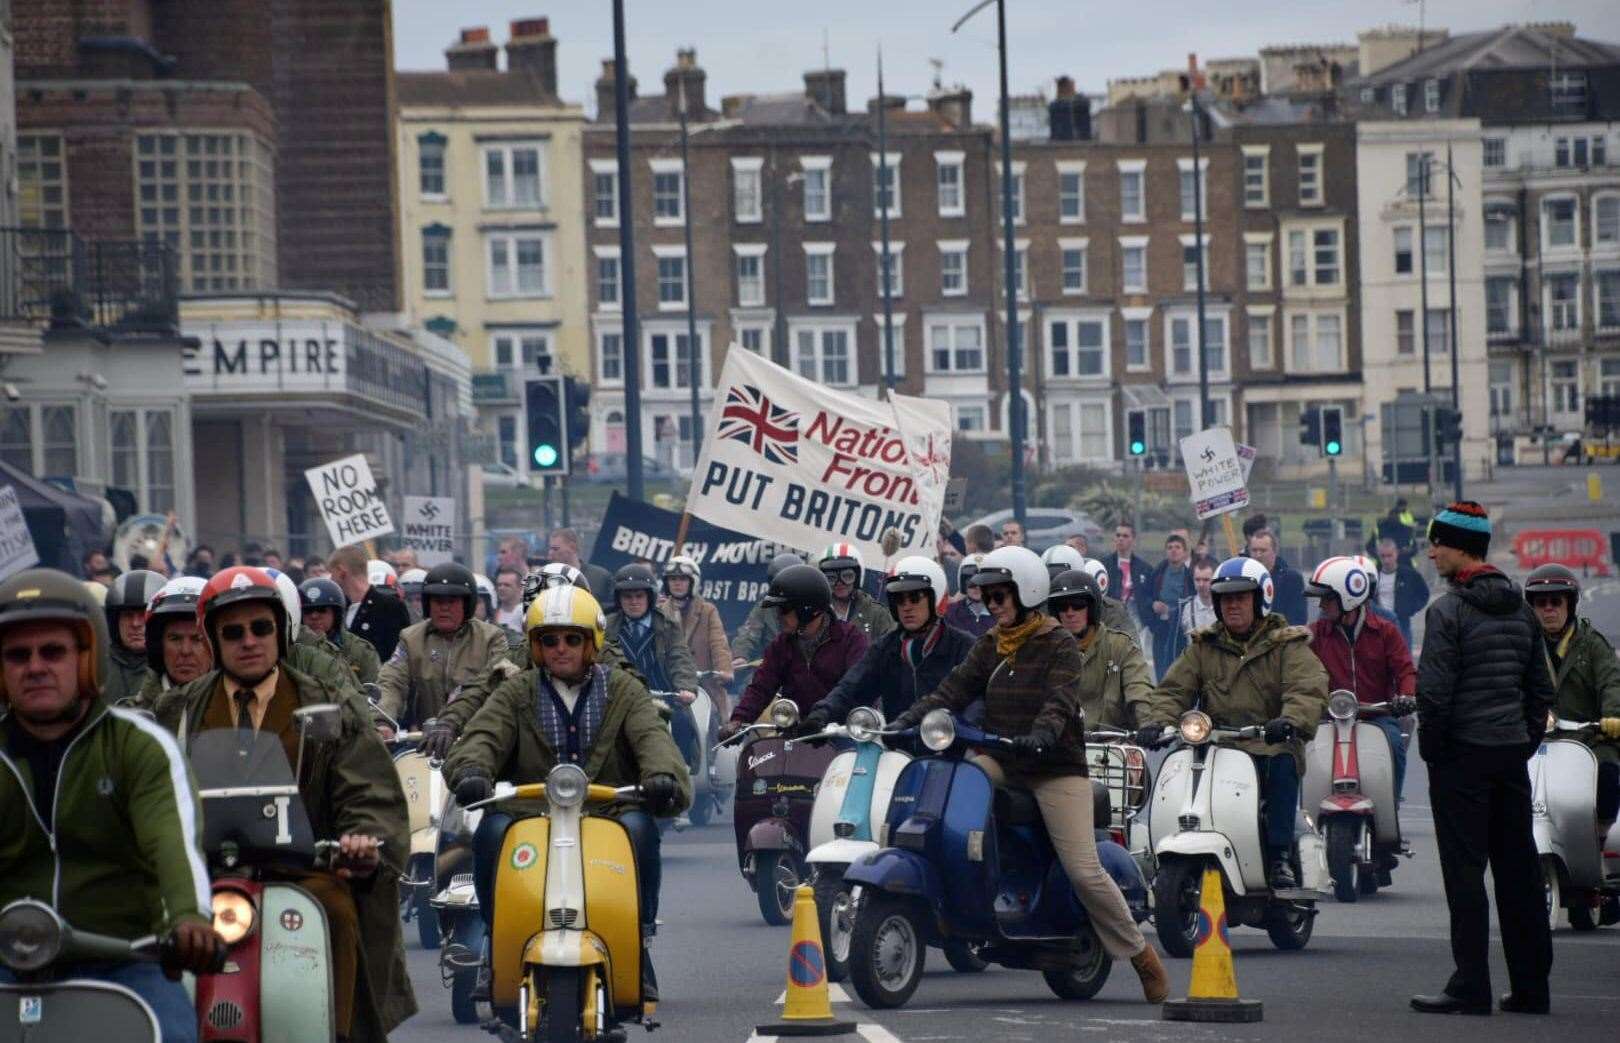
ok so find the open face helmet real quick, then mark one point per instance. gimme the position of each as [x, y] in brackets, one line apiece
[1241, 576]
[917, 573]
[1060, 558]
[1097, 571]
[1020, 567]
[238, 585]
[176, 599]
[1343, 578]
[48, 595]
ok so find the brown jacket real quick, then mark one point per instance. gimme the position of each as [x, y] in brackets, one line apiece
[706, 636]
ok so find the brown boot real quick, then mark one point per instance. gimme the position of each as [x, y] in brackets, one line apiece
[1155, 980]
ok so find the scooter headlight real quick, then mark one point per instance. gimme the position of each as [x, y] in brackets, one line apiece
[864, 723]
[30, 935]
[1342, 707]
[233, 915]
[783, 714]
[565, 786]
[938, 730]
[1195, 727]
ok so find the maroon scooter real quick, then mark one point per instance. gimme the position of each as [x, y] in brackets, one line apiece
[777, 779]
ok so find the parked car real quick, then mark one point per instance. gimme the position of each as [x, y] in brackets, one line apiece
[503, 475]
[1044, 526]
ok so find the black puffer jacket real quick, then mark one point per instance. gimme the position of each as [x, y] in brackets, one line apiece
[1483, 679]
[882, 678]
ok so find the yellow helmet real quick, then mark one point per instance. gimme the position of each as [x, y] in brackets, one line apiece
[566, 607]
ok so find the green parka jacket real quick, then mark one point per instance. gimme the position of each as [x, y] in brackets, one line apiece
[427, 667]
[1588, 685]
[126, 672]
[1115, 683]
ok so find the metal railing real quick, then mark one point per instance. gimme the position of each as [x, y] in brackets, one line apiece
[55, 278]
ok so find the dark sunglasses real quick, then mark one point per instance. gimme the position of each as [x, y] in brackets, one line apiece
[52, 653]
[1071, 605]
[234, 632]
[843, 575]
[553, 640]
[996, 595]
[911, 597]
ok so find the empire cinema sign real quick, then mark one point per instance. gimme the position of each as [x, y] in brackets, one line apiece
[301, 356]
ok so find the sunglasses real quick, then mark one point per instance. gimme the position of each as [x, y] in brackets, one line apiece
[911, 597]
[554, 640]
[843, 575]
[1072, 606]
[997, 595]
[234, 632]
[52, 653]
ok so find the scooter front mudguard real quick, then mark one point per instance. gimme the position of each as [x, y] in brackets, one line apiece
[841, 851]
[897, 872]
[74, 1010]
[1205, 845]
[1127, 875]
[772, 834]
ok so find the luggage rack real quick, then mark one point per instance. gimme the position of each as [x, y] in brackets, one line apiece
[1123, 770]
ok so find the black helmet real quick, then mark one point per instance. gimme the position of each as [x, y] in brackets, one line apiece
[801, 588]
[787, 559]
[1553, 578]
[452, 581]
[48, 595]
[176, 600]
[1074, 587]
[323, 593]
[634, 577]
[129, 592]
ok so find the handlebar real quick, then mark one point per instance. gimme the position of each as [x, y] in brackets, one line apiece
[537, 791]
[1558, 724]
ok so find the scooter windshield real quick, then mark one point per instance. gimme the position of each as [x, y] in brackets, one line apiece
[251, 804]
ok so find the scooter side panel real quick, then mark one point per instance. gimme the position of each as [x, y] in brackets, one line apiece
[1318, 781]
[830, 798]
[1170, 796]
[1377, 764]
[73, 1011]
[296, 997]
[897, 872]
[416, 779]
[889, 767]
[520, 896]
[613, 902]
[1235, 811]
[1570, 796]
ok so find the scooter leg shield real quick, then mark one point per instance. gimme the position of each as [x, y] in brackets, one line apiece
[296, 998]
[520, 895]
[613, 904]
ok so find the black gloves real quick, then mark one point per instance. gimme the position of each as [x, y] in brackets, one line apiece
[729, 729]
[1279, 729]
[816, 719]
[1032, 745]
[1402, 706]
[436, 739]
[473, 787]
[660, 792]
[1150, 735]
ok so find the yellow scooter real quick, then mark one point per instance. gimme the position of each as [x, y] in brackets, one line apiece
[566, 944]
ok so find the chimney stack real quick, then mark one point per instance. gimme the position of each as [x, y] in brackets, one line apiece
[686, 71]
[1069, 114]
[826, 88]
[605, 101]
[954, 105]
[473, 51]
[533, 50]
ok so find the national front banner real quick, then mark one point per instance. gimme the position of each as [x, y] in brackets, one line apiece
[788, 460]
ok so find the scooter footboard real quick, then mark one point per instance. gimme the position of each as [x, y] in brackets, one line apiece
[76, 1009]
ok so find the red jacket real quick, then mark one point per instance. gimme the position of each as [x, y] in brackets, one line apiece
[1381, 667]
[784, 670]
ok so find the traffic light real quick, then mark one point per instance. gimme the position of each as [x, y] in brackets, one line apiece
[1332, 431]
[1447, 426]
[579, 416]
[1136, 432]
[1310, 427]
[545, 400]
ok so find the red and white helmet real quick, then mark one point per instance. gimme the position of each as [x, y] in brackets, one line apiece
[381, 574]
[1098, 571]
[235, 585]
[1343, 578]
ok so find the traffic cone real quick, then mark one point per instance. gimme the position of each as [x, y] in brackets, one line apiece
[806, 1009]
[1212, 994]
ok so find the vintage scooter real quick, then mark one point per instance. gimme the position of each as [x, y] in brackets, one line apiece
[1581, 877]
[276, 984]
[710, 791]
[566, 948]
[1206, 812]
[425, 794]
[33, 941]
[455, 905]
[1350, 780]
[777, 778]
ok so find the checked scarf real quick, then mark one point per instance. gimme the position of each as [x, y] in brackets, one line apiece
[588, 713]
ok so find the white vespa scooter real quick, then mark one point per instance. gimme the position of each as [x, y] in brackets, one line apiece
[712, 783]
[1577, 875]
[1350, 780]
[1205, 812]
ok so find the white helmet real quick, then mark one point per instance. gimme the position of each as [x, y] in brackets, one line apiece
[1060, 558]
[1370, 567]
[290, 601]
[683, 565]
[917, 573]
[558, 574]
[411, 580]
[1241, 576]
[964, 572]
[837, 556]
[1098, 571]
[179, 587]
[1020, 567]
[381, 574]
[1341, 577]
[486, 590]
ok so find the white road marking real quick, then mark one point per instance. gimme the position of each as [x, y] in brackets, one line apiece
[866, 1030]
[835, 994]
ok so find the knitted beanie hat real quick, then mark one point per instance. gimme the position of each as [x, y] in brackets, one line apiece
[1464, 525]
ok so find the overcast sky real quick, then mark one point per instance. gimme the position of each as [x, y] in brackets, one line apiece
[758, 46]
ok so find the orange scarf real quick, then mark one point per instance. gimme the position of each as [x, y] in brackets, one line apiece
[1010, 639]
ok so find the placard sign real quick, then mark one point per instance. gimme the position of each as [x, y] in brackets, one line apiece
[348, 499]
[430, 523]
[1215, 472]
[16, 542]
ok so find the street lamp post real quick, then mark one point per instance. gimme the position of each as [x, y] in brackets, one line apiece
[1015, 384]
[1423, 313]
[694, 370]
[630, 348]
[885, 192]
[1198, 255]
[1451, 275]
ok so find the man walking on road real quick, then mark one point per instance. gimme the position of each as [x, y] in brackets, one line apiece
[1402, 591]
[1483, 695]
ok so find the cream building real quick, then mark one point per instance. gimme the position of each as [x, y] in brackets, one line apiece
[491, 215]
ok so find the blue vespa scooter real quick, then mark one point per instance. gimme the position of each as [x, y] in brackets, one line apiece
[969, 862]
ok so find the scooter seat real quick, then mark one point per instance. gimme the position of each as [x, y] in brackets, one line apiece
[1017, 807]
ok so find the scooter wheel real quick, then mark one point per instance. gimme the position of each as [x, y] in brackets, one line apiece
[777, 874]
[462, 1006]
[1343, 840]
[1087, 975]
[1290, 926]
[834, 913]
[887, 951]
[1582, 915]
[1177, 890]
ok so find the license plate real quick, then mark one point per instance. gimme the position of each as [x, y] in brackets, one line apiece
[30, 1010]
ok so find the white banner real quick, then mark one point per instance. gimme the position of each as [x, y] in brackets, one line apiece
[1216, 475]
[430, 523]
[16, 542]
[788, 460]
[347, 496]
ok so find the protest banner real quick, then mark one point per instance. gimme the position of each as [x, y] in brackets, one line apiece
[430, 523]
[1215, 472]
[347, 497]
[788, 460]
[733, 564]
[17, 549]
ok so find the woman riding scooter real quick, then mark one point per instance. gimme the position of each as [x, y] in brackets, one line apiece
[1027, 669]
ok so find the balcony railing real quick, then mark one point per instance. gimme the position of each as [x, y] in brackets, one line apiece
[53, 277]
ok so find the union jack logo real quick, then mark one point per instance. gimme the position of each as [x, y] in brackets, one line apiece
[770, 430]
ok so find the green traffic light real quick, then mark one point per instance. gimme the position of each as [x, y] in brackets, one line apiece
[545, 455]
[1137, 448]
[1333, 448]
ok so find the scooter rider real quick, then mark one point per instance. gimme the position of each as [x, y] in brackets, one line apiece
[653, 645]
[967, 612]
[1585, 674]
[323, 609]
[1362, 651]
[700, 623]
[1251, 668]
[844, 568]
[1027, 670]
[126, 622]
[910, 660]
[349, 788]
[762, 624]
[106, 826]
[811, 654]
[1113, 614]
[1115, 683]
[570, 709]
[177, 651]
[1060, 558]
[448, 648]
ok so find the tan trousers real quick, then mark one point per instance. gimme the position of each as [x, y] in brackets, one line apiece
[1065, 802]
